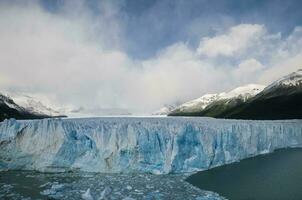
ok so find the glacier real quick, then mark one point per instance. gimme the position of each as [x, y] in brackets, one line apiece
[137, 144]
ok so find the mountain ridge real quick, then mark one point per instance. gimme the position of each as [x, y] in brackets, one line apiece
[280, 100]
[235, 96]
[10, 109]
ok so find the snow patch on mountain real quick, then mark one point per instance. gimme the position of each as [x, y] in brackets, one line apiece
[34, 104]
[199, 103]
[9, 102]
[292, 80]
[243, 92]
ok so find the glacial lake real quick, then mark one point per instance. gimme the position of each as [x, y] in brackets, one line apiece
[275, 176]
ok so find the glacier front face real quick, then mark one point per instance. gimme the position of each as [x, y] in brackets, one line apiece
[155, 145]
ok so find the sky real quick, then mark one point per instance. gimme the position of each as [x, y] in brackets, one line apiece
[131, 56]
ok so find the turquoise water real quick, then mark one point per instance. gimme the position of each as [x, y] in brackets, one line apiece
[276, 176]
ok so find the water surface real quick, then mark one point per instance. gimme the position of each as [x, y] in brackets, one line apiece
[26, 185]
[275, 176]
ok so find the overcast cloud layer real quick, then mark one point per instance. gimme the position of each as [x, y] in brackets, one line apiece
[76, 58]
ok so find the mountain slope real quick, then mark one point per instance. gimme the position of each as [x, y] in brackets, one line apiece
[9, 109]
[165, 110]
[196, 105]
[24, 107]
[34, 105]
[280, 100]
[280, 107]
[214, 104]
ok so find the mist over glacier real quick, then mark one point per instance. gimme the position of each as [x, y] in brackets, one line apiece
[153, 145]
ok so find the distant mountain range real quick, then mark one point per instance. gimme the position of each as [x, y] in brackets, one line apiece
[24, 107]
[280, 100]
[34, 104]
[96, 111]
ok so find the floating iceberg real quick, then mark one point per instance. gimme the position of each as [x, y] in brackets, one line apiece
[155, 145]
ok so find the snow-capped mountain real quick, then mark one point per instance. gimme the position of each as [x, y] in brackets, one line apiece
[287, 84]
[197, 105]
[9, 109]
[292, 80]
[20, 106]
[280, 100]
[34, 105]
[7, 101]
[243, 92]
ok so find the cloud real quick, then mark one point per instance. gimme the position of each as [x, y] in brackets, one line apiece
[247, 70]
[281, 68]
[237, 39]
[78, 60]
[261, 57]
[56, 55]
[53, 54]
[285, 57]
[177, 73]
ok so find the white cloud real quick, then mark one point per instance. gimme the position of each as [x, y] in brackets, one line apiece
[177, 73]
[237, 39]
[47, 53]
[247, 70]
[281, 68]
[286, 57]
[262, 56]
[51, 54]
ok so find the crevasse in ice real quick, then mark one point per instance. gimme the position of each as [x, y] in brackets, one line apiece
[155, 145]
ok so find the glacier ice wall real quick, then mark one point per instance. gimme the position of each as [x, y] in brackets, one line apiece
[156, 145]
